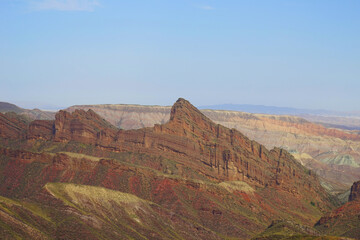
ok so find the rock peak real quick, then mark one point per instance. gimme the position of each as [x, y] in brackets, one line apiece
[183, 109]
[185, 119]
[355, 192]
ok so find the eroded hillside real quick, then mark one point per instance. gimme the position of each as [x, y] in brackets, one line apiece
[334, 154]
[189, 178]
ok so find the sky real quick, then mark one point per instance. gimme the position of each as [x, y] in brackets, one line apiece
[287, 53]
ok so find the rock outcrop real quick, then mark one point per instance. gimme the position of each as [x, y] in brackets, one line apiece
[355, 192]
[345, 220]
[41, 129]
[189, 135]
[327, 151]
[138, 116]
[214, 177]
[189, 138]
[312, 144]
[12, 126]
[81, 126]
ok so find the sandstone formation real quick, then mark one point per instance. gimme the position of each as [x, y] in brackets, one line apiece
[41, 129]
[12, 126]
[311, 144]
[333, 154]
[190, 137]
[355, 192]
[81, 126]
[199, 179]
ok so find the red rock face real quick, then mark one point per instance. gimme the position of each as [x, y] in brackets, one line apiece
[191, 139]
[317, 147]
[355, 192]
[179, 165]
[41, 129]
[12, 126]
[81, 126]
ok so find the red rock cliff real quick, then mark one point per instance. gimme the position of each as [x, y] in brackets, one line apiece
[355, 192]
[12, 126]
[189, 138]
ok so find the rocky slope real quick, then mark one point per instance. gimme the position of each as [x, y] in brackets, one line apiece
[285, 229]
[188, 135]
[334, 154]
[12, 126]
[189, 178]
[345, 220]
[331, 153]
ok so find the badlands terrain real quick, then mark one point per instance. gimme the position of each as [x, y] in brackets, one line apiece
[135, 172]
[333, 153]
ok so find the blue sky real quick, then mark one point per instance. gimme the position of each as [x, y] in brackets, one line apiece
[294, 53]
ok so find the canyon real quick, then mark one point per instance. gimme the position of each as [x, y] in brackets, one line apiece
[344, 220]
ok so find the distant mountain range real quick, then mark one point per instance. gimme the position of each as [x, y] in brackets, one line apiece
[280, 110]
[328, 118]
[33, 114]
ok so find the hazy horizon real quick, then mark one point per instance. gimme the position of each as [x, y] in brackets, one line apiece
[257, 108]
[283, 53]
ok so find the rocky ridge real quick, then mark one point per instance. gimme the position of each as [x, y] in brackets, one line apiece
[328, 152]
[188, 135]
[193, 168]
